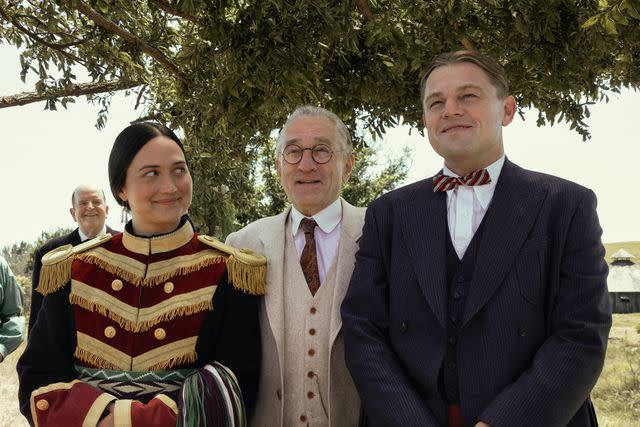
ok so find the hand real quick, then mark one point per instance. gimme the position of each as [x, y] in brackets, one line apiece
[482, 424]
[107, 421]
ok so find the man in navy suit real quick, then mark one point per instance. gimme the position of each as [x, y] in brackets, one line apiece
[479, 296]
[89, 209]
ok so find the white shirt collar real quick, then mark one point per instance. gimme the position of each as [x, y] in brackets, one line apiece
[484, 193]
[327, 219]
[84, 237]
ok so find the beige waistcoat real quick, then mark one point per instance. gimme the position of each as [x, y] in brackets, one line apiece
[306, 344]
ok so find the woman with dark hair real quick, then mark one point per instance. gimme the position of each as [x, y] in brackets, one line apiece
[154, 326]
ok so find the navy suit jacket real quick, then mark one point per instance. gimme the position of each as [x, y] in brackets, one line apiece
[73, 239]
[537, 315]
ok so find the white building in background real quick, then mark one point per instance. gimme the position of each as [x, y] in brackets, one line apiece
[624, 282]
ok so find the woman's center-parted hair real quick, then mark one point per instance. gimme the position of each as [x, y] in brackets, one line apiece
[127, 144]
[342, 133]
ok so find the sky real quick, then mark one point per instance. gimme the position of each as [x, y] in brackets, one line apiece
[46, 154]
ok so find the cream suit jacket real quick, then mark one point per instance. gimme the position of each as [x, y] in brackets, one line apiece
[267, 236]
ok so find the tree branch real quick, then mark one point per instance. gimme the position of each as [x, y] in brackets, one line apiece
[166, 6]
[112, 27]
[365, 9]
[79, 89]
[38, 39]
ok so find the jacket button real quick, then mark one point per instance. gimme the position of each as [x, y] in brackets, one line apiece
[168, 287]
[160, 334]
[522, 332]
[116, 285]
[403, 327]
[109, 332]
[42, 405]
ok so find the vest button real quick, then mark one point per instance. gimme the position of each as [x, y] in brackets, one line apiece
[311, 352]
[160, 334]
[168, 287]
[456, 295]
[454, 319]
[42, 405]
[303, 418]
[310, 395]
[109, 332]
[452, 365]
[116, 285]
[312, 331]
[310, 374]
[313, 310]
[522, 332]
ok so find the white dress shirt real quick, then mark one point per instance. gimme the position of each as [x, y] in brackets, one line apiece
[84, 237]
[466, 206]
[327, 234]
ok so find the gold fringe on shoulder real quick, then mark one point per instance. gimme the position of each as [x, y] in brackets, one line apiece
[189, 357]
[95, 360]
[133, 326]
[247, 269]
[54, 276]
[247, 278]
[56, 264]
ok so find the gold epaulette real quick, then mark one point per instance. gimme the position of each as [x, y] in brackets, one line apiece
[56, 264]
[247, 269]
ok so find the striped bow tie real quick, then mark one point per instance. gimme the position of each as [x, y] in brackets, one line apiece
[446, 182]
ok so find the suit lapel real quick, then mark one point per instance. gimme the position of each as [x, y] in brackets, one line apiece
[423, 223]
[273, 242]
[352, 221]
[513, 211]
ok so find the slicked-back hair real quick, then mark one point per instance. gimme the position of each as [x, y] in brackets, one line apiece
[127, 144]
[342, 133]
[492, 69]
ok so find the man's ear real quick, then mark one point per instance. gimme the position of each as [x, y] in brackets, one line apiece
[278, 170]
[106, 210]
[72, 211]
[349, 162]
[509, 109]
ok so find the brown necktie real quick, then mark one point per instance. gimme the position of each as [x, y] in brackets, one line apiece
[309, 259]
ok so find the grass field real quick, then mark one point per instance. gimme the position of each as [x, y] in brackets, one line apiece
[616, 396]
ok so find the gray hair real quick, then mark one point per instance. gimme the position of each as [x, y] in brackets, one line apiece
[310, 111]
[86, 187]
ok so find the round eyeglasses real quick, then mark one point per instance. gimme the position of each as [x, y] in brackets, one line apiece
[320, 154]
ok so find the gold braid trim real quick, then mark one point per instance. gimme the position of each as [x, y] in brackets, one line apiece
[54, 276]
[95, 360]
[183, 270]
[189, 357]
[128, 325]
[137, 280]
[247, 278]
[113, 269]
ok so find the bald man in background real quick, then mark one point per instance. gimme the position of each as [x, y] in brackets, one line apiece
[89, 209]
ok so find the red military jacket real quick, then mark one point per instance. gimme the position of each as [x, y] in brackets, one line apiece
[134, 303]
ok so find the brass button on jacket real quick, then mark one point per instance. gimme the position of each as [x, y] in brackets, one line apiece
[116, 285]
[160, 334]
[109, 332]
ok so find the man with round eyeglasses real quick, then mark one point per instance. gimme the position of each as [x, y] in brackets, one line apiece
[310, 248]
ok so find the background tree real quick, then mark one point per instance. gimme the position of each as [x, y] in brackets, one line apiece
[228, 72]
